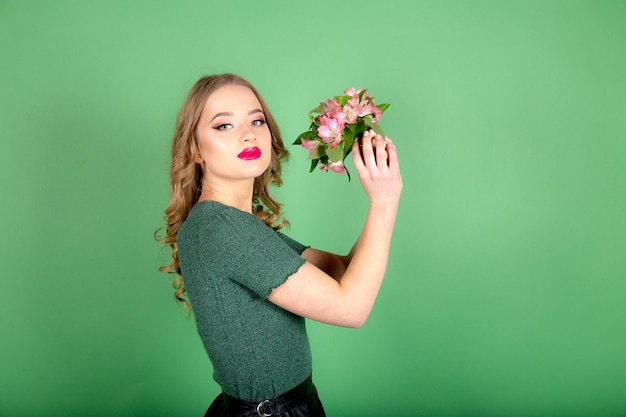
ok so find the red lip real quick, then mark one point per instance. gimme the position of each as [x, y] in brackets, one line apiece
[249, 154]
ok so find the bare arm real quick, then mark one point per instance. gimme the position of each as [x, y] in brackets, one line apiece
[348, 299]
[332, 264]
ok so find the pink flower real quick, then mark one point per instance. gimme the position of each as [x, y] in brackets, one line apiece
[329, 121]
[333, 110]
[357, 107]
[351, 111]
[330, 130]
[370, 108]
[352, 92]
[337, 167]
[311, 145]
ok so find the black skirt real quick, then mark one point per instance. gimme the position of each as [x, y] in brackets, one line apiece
[301, 401]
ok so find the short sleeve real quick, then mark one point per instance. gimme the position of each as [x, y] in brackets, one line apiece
[293, 244]
[240, 247]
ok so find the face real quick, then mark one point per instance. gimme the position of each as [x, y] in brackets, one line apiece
[234, 141]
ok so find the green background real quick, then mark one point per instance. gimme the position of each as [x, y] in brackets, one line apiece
[505, 290]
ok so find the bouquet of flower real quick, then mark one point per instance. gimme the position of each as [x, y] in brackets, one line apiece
[335, 124]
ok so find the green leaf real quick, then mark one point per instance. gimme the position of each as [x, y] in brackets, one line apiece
[306, 135]
[359, 127]
[342, 100]
[314, 164]
[324, 160]
[319, 152]
[335, 154]
[348, 140]
[374, 126]
[383, 107]
[317, 110]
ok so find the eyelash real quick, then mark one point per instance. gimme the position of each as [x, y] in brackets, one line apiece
[257, 123]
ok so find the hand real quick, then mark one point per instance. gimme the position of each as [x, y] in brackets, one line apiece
[376, 163]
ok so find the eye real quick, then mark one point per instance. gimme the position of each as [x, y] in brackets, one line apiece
[259, 122]
[223, 126]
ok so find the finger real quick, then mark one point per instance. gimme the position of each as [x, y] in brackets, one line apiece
[367, 149]
[390, 145]
[392, 157]
[357, 157]
[381, 152]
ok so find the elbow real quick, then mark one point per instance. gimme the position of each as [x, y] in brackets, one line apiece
[347, 318]
[355, 313]
[355, 320]
[354, 324]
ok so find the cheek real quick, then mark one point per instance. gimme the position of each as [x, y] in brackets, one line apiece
[210, 148]
[268, 140]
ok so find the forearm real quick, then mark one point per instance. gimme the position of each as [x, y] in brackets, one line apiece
[347, 299]
[346, 259]
[368, 260]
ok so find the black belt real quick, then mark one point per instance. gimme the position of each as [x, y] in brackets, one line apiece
[280, 404]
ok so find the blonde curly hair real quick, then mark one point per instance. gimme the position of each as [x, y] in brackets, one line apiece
[186, 175]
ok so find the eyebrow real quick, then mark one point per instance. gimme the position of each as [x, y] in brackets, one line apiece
[230, 113]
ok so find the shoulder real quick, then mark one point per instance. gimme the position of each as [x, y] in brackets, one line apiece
[220, 220]
[211, 213]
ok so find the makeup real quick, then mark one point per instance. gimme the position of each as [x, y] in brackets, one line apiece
[250, 154]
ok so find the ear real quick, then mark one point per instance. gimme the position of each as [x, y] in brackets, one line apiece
[195, 150]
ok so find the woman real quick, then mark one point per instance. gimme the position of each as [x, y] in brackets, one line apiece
[250, 285]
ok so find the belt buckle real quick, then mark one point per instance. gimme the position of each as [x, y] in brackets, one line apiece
[260, 409]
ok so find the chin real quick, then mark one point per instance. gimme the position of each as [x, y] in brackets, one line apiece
[264, 165]
[257, 171]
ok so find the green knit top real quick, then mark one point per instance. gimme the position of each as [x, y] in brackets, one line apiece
[230, 262]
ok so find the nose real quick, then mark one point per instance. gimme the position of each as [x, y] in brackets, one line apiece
[247, 134]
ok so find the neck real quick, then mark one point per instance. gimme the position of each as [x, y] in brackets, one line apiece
[239, 196]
